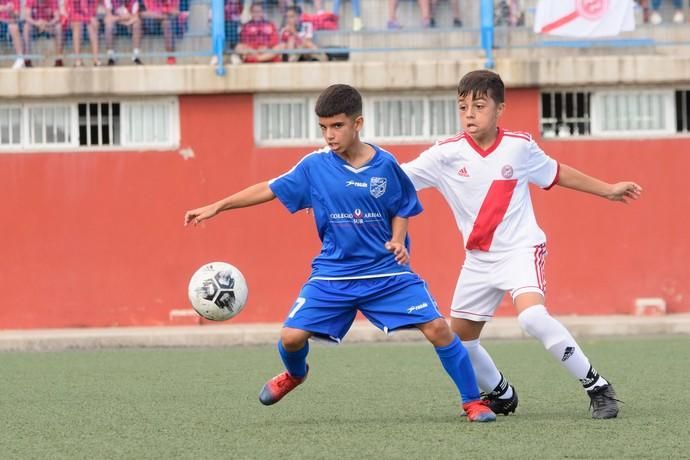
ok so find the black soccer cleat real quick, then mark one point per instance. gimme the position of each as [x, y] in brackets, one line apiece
[603, 402]
[502, 406]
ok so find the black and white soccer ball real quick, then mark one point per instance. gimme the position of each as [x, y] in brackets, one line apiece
[218, 291]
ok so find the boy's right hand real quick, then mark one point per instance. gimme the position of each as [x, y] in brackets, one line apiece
[624, 191]
[399, 251]
[195, 216]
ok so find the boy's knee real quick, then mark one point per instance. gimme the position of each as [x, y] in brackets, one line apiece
[538, 323]
[531, 319]
[437, 332]
[293, 339]
[466, 329]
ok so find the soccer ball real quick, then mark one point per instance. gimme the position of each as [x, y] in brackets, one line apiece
[218, 291]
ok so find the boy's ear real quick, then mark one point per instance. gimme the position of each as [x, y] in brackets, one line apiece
[500, 108]
[359, 123]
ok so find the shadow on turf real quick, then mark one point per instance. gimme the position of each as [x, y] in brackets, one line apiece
[401, 419]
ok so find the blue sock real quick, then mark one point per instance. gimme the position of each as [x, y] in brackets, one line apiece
[295, 361]
[457, 363]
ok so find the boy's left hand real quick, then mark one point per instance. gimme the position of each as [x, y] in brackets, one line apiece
[400, 251]
[623, 191]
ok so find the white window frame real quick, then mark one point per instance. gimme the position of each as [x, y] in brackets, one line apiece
[456, 128]
[565, 119]
[28, 147]
[313, 135]
[370, 110]
[25, 147]
[13, 147]
[597, 117]
[668, 110]
[88, 117]
[173, 141]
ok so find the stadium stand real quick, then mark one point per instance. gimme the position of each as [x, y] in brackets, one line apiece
[167, 30]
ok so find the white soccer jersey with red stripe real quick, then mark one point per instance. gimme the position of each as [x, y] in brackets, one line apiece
[488, 190]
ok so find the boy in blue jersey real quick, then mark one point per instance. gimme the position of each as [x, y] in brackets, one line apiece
[361, 201]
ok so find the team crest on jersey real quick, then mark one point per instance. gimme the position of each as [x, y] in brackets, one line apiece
[507, 171]
[377, 186]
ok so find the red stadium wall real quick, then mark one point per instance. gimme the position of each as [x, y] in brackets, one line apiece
[96, 239]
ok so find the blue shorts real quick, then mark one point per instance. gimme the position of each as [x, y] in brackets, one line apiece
[327, 308]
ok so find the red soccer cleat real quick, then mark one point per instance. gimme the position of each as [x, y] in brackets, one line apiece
[276, 388]
[478, 411]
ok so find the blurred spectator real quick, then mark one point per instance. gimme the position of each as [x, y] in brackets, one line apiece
[323, 20]
[644, 8]
[427, 9]
[124, 13]
[80, 13]
[678, 17]
[258, 37]
[294, 37]
[285, 4]
[509, 13]
[356, 13]
[10, 12]
[424, 7]
[455, 7]
[233, 14]
[43, 17]
[167, 12]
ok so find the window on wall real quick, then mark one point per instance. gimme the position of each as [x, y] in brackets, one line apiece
[49, 125]
[397, 117]
[415, 118]
[89, 125]
[682, 100]
[99, 123]
[443, 117]
[285, 120]
[10, 125]
[150, 123]
[633, 113]
[615, 113]
[565, 113]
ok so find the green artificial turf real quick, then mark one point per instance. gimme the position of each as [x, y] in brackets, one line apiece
[360, 401]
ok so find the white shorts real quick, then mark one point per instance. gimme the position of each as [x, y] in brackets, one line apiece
[486, 277]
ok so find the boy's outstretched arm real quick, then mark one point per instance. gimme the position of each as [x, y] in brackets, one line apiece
[250, 196]
[621, 191]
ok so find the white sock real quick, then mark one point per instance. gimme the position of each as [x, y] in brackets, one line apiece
[489, 379]
[537, 322]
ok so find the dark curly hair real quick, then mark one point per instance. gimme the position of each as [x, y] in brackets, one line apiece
[337, 99]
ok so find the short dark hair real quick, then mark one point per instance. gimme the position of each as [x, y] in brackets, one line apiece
[337, 99]
[480, 83]
[295, 9]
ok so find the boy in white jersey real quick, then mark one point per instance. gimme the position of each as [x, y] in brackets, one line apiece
[484, 174]
[361, 201]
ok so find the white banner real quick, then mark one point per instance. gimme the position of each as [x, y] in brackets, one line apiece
[584, 18]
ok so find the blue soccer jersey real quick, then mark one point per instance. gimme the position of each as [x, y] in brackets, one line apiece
[353, 209]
